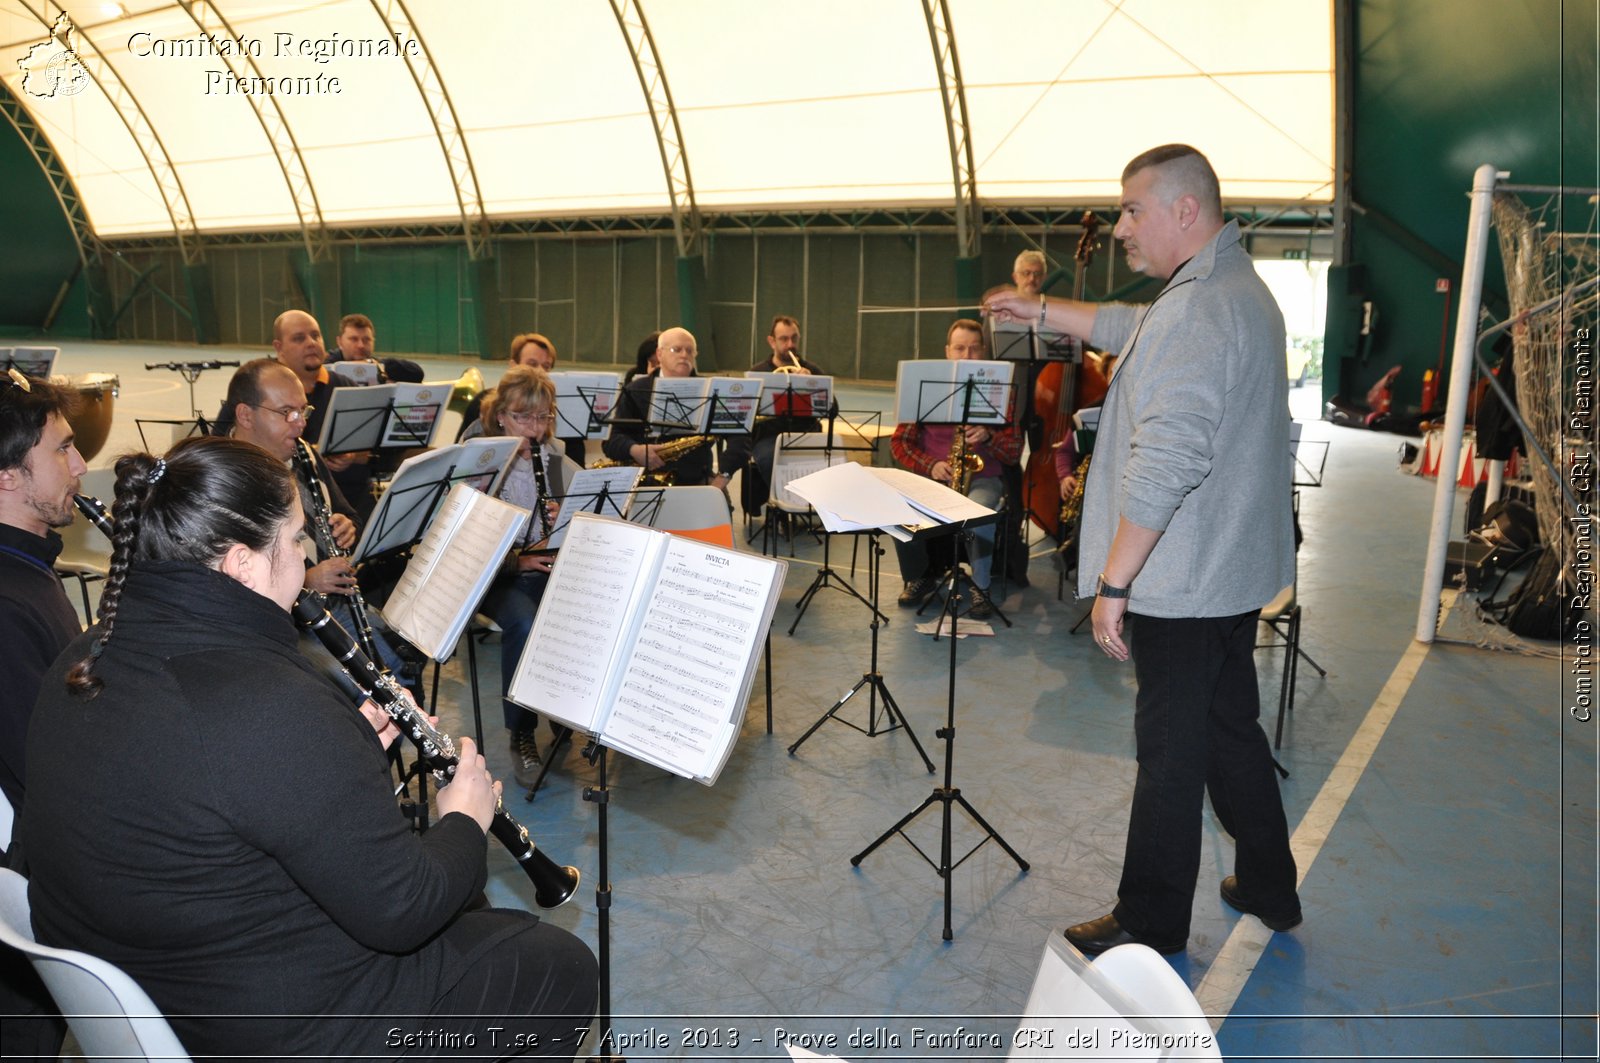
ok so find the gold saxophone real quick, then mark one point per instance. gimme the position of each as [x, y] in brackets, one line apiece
[672, 451]
[964, 462]
[1072, 505]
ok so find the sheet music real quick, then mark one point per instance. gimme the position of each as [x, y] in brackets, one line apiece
[587, 607]
[451, 569]
[679, 403]
[931, 497]
[619, 482]
[683, 685]
[584, 402]
[794, 394]
[416, 414]
[733, 404]
[356, 374]
[934, 392]
[39, 362]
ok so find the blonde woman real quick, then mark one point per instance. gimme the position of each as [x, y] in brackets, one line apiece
[523, 405]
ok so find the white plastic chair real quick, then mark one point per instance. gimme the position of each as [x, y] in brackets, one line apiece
[1128, 1004]
[8, 817]
[109, 1014]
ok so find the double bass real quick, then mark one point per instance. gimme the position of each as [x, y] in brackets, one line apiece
[1061, 390]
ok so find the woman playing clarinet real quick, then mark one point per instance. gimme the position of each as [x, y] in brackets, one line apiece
[209, 813]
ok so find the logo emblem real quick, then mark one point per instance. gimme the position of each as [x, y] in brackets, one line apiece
[52, 68]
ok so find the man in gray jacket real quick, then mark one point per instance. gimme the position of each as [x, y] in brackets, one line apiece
[1186, 533]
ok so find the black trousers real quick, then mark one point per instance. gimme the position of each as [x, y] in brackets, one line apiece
[1197, 730]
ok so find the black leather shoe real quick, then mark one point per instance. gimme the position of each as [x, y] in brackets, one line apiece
[1098, 935]
[1233, 899]
[917, 591]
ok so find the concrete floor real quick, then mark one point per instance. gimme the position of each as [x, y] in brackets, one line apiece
[1441, 798]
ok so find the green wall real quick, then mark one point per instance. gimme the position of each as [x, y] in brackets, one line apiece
[1441, 87]
[37, 252]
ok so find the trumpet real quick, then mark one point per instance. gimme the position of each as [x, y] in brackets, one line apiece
[553, 885]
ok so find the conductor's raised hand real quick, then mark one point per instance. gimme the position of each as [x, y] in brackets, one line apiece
[472, 790]
[1008, 304]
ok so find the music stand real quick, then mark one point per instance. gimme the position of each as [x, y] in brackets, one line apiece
[37, 362]
[826, 576]
[947, 795]
[381, 417]
[190, 371]
[968, 392]
[872, 679]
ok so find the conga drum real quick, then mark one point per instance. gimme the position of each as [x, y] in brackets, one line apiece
[91, 420]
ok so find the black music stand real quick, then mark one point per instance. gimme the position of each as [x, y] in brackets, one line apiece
[826, 576]
[1032, 349]
[190, 371]
[872, 679]
[948, 794]
[973, 402]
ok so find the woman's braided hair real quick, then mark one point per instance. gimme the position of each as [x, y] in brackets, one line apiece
[205, 495]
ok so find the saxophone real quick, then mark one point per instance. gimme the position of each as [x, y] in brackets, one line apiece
[1072, 505]
[964, 462]
[669, 452]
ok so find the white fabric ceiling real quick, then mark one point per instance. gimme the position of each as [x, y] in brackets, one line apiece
[830, 103]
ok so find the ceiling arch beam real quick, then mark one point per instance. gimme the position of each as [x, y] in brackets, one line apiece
[953, 94]
[686, 224]
[140, 128]
[61, 183]
[446, 124]
[274, 123]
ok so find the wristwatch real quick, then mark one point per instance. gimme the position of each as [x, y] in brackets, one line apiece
[1106, 590]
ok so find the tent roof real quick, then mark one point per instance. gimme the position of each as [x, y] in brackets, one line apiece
[527, 108]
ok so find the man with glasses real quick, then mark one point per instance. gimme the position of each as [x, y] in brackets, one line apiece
[269, 408]
[629, 444]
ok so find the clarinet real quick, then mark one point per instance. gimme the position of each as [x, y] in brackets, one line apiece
[553, 885]
[96, 511]
[322, 529]
[541, 496]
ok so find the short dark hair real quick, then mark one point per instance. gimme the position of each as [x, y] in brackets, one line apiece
[1183, 170]
[245, 386]
[782, 319]
[24, 412]
[355, 321]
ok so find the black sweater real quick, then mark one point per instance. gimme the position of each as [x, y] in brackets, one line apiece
[36, 623]
[218, 822]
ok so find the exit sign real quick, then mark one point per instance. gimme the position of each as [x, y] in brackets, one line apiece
[1298, 253]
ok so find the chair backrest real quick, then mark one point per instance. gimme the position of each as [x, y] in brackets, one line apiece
[797, 454]
[109, 1014]
[697, 512]
[1109, 1010]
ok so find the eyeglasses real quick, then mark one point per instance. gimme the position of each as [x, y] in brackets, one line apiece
[293, 414]
[690, 351]
[528, 418]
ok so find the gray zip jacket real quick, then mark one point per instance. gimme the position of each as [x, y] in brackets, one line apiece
[1193, 441]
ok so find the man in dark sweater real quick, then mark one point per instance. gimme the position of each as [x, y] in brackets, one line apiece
[40, 471]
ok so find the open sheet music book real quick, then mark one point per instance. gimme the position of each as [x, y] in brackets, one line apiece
[451, 569]
[649, 641]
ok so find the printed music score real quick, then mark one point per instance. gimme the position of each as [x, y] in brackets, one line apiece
[650, 642]
[450, 570]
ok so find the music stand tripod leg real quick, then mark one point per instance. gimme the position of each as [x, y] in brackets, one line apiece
[827, 577]
[872, 679]
[945, 795]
